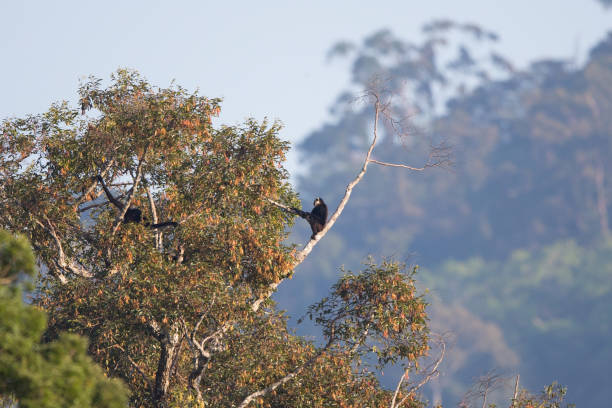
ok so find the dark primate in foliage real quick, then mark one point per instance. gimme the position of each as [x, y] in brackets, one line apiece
[132, 214]
[317, 217]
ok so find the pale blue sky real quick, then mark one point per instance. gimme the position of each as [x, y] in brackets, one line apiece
[265, 58]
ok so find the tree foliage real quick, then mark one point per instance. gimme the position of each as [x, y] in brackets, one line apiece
[43, 374]
[182, 313]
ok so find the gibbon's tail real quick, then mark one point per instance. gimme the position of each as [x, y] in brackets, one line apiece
[163, 224]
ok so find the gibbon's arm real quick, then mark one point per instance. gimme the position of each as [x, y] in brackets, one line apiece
[306, 215]
[110, 197]
[293, 210]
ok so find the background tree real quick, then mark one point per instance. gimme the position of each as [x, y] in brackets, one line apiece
[530, 173]
[35, 373]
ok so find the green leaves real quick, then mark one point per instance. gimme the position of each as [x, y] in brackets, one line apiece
[50, 374]
[16, 258]
[378, 311]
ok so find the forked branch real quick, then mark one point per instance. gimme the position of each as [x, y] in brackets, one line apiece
[93, 185]
[62, 261]
[432, 373]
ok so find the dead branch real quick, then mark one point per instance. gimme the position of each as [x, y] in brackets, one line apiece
[432, 373]
[439, 154]
[482, 387]
[405, 166]
[332, 220]
[283, 206]
[515, 395]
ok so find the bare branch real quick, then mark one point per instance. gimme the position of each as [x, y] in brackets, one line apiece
[332, 220]
[433, 373]
[439, 156]
[399, 386]
[283, 206]
[515, 395]
[62, 262]
[93, 185]
[158, 232]
[130, 195]
[405, 166]
[483, 386]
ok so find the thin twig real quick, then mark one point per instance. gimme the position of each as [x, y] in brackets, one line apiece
[433, 373]
[405, 166]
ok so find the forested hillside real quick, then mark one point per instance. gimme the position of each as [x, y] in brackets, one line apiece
[515, 233]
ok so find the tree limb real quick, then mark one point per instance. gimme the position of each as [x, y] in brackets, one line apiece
[130, 196]
[93, 185]
[332, 220]
[158, 232]
[405, 166]
[432, 374]
[61, 261]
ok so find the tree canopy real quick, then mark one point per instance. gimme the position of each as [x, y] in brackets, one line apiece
[182, 313]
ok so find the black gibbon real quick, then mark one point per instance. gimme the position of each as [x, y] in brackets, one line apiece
[133, 214]
[316, 218]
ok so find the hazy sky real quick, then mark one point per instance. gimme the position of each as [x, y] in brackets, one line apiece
[265, 58]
